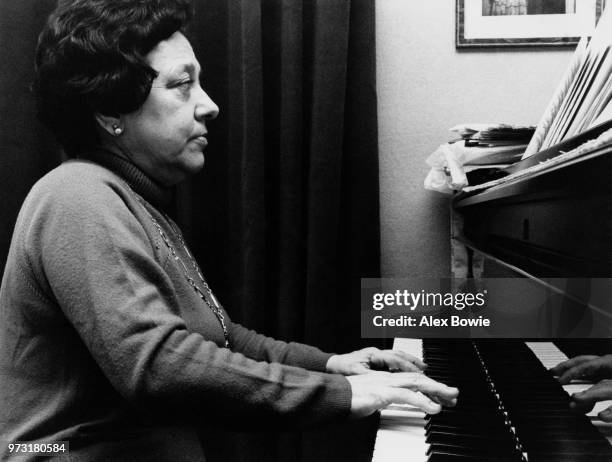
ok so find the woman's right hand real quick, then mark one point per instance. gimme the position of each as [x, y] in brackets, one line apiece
[376, 390]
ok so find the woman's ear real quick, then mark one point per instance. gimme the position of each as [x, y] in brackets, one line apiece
[110, 124]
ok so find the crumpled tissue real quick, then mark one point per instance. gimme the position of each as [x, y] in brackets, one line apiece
[446, 174]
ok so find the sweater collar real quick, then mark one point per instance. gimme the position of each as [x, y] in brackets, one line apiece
[154, 193]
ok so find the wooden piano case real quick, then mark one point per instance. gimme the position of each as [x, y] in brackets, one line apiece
[554, 227]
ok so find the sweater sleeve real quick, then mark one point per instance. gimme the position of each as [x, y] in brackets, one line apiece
[262, 348]
[100, 266]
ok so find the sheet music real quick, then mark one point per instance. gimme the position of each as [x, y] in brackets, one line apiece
[584, 96]
[558, 97]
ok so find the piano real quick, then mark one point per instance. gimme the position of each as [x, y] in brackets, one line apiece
[552, 223]
[553, 226]
[488, 434]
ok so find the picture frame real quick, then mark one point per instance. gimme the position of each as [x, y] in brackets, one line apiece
[524, 23]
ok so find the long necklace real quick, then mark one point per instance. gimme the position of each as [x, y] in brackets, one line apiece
[214, 306]
[111, 163]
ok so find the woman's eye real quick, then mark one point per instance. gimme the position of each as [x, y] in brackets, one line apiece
[183, 85]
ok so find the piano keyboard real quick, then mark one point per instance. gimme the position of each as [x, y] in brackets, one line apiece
[401, 434]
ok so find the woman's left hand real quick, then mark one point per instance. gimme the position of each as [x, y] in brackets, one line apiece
[370, 359]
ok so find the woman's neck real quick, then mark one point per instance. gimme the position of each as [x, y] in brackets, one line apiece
[116, 161]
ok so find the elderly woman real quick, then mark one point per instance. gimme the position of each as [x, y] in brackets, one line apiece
[110, 337]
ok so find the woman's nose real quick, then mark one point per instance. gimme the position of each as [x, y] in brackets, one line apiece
[206, 108]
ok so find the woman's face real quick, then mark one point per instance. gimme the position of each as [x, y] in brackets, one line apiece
[166, 135]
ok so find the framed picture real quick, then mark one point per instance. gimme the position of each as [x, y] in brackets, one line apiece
[506, 23]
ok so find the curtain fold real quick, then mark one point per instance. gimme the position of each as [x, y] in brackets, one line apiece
[27, 151]
[325, 142]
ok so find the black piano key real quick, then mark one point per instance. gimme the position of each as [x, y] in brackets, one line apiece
[448, 457]
[485, 452]
[472, 428]
[560, 457]
[468, 438]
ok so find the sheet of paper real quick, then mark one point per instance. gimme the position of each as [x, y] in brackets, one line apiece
[557, 100]
[584, 94]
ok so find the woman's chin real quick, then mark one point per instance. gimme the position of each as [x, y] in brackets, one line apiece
[201, 160]
[196, 163]
[182, 168]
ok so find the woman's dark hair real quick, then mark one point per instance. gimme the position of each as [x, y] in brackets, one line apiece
[91, 58]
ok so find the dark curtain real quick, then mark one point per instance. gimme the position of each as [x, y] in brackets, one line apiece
[27, 152]
[284, 218]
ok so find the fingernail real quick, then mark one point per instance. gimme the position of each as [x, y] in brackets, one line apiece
[434, 408]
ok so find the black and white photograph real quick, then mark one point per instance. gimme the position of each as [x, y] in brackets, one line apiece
[524, 23]
[518, 7]
[306, 231]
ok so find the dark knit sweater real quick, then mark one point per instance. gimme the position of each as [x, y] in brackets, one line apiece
[104, 342]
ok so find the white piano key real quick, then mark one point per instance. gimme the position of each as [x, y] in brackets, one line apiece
[401, 434]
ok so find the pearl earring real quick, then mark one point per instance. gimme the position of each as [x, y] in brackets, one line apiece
[117, 130]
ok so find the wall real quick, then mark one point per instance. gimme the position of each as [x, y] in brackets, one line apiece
[426, 86]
